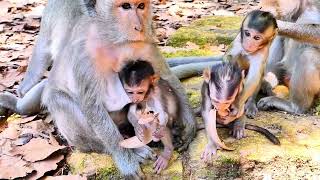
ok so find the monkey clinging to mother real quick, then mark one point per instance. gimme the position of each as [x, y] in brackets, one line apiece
[86, 43]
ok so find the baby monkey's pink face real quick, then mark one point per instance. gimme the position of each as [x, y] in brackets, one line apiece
[138, 93]
[223, 105]
[253, 40]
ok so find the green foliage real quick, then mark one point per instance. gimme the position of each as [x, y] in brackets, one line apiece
[212, 30]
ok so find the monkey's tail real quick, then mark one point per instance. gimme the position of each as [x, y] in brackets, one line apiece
[263, 131]
[252, 127]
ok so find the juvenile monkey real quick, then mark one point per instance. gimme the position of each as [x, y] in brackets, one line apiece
[222, 85]
[153, 97]
[250, 50]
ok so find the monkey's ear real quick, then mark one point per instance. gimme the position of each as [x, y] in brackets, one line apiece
[155, 79]
[105, 56]
[207, 75]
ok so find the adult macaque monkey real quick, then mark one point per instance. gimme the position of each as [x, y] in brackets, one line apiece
[222, 85]
[59, 17]
[250, 50]
[154, 110]
[300, 61]
[81, 99]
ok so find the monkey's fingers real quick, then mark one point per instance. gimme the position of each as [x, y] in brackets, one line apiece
[160, 164]
[238, 133]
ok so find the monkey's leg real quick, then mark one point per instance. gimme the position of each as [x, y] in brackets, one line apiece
[186, 116]
[97, 134]
[40, 61]
[238, 128]
[304, 86]
[164, 158]
[28, 105]
[251, 109]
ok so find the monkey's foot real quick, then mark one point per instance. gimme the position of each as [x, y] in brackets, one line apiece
[266, 103]
[136, 176]
[208, 153]
[144, 153]
[251, 110]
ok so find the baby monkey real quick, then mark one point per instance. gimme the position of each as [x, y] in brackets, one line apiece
[153, 109]
[223, 83]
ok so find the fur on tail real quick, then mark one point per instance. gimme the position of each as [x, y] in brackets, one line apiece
[265, 132]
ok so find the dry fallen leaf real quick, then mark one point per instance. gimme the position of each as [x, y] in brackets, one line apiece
[39, 126]
[44, 166]
[37, 149]
[12, 132]
[23, 120]
[6, 146]
[70, 177]
[14, 167]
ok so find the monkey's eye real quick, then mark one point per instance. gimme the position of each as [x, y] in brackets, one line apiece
[126, 6]
[257, 38]
[247, 33]
[130, 92]
[141, 6]
[140, 92]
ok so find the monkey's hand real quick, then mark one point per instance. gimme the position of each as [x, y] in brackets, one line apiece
[163, 160]
[237, 110]
[238, 129]
[209, 151]
[141, 132]
[146, 117]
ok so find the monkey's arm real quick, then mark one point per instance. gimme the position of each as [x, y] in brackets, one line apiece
[40, 62]
[309, 33]
[132, 115]
[205, 109]
[186, 114]
[252, 81]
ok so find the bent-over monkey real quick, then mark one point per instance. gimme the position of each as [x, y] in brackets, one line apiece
[222, 85]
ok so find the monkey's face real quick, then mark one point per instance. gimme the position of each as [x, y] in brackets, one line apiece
[252, 40]
[133, 19]
[138, 93]
[220, 101]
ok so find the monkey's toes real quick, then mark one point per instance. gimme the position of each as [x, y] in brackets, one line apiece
[265, 103]
[144, 153]
[251, 110]
[138, 175]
